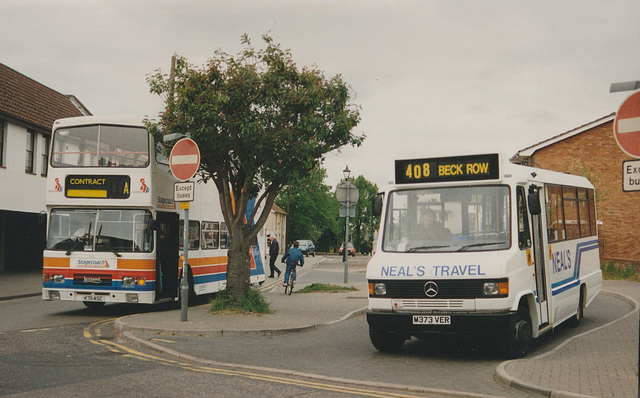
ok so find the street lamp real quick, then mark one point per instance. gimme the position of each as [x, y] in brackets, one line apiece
[347, 194]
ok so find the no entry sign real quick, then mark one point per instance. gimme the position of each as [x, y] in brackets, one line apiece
[626, 126]
[184, 159]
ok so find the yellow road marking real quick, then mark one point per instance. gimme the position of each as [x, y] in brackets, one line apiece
[325, 386]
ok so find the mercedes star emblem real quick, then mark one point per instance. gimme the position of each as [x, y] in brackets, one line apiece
[431, 289]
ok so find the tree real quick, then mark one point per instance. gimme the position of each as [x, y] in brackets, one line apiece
[364, 223]
[260, 122]
[311, 208]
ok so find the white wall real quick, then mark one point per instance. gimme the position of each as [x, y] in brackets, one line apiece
[21, 191]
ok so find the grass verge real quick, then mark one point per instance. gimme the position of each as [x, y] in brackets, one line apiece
[251, 303]
[616, 271]
[325, 288]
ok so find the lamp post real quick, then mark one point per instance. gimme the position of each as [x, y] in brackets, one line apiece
[346, 173]
[348, 195]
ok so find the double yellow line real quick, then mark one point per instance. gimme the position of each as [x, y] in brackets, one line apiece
[95, 336]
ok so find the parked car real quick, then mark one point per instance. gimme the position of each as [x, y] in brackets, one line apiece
[351, 250]
[307, 248]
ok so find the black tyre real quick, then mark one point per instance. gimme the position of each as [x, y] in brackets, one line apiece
[519, 335]
[313, 254]
[290, 284]
[386, 341]
[92, 305]
[574, 321]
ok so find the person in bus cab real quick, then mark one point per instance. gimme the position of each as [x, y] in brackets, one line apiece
[433, 229]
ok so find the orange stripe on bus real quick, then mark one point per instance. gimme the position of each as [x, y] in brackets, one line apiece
[55, 262]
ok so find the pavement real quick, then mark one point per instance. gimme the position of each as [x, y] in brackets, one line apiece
[607, 356]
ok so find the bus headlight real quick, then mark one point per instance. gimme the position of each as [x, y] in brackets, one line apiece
[128, 280]
[495, 289]
[131, 298]
[377, 289]
[58, 279]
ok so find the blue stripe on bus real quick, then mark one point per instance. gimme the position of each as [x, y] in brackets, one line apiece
[116, 285]
[574, 280]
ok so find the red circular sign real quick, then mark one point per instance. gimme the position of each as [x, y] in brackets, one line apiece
[626, 126]
[184, 159]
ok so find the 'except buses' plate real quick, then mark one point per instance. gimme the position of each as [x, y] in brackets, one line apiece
[432, 320]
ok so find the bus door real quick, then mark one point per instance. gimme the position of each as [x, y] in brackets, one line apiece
[167, 254]
[535, 208]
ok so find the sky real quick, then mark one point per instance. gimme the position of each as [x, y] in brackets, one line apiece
[432, 78]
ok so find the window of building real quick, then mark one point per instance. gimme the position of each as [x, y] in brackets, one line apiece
[31, 147]
[45, 155]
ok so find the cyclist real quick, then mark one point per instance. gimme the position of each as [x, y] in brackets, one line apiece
[292, 257]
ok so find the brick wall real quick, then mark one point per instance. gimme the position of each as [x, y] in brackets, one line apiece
[619, 212]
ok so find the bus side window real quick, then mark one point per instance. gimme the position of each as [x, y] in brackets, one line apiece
[524, 234]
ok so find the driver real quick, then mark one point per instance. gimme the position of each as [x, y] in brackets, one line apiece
[433, 229]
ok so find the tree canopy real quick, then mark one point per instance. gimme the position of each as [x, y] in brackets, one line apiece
[260, 122]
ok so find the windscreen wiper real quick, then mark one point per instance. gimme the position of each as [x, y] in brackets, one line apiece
[107, 243]
[418, 248]
[465, 247]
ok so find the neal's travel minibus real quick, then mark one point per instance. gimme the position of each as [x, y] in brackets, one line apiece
[476, 244]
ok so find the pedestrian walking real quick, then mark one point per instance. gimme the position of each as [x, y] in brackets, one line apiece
[274, 250]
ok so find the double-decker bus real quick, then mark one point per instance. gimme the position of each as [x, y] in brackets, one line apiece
[115, 233]
[476, 244]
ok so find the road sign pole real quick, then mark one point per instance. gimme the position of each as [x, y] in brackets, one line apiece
[184, 283]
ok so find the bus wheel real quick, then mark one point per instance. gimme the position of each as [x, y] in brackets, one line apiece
[519, 335]
[386, 341]
[93, 304]
[574, 321]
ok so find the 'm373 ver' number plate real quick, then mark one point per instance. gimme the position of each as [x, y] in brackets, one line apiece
[432, 320]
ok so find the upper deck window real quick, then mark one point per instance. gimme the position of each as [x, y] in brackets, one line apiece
[100, 146]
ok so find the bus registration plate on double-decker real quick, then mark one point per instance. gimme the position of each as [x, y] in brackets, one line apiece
[432, 320]
[92, 297]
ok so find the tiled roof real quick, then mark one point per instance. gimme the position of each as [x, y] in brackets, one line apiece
[25, 99]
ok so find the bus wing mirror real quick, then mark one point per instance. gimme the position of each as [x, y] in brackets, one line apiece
[533, 200]
[376, 204]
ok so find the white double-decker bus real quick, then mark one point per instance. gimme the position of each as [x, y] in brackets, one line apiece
[476, 244]
[114, 230]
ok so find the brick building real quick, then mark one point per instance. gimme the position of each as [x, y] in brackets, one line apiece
[591, 150]
[27, 112]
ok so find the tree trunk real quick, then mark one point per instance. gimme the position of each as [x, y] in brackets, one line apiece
[238, 268]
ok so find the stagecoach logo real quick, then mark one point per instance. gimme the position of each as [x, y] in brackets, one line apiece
[93, 263]
[430, 289]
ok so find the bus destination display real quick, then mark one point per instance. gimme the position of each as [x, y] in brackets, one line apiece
[92, 186]
[458, 168]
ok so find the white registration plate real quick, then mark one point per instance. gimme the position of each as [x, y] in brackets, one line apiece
[432, 320]
[92, 298]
